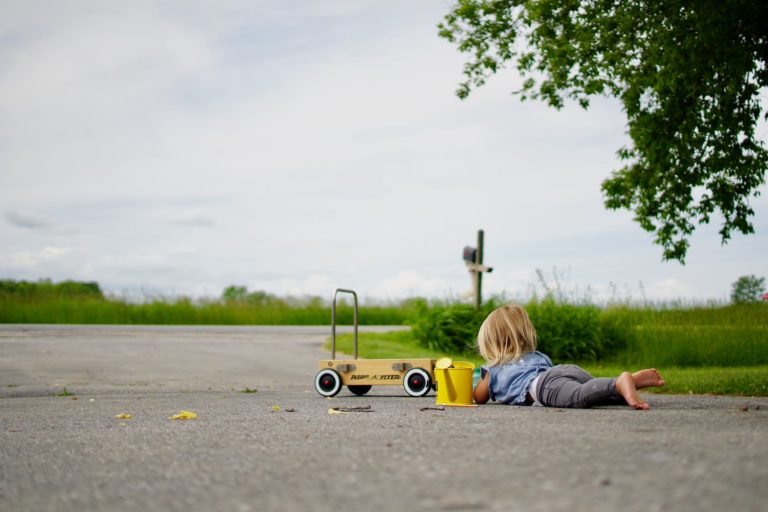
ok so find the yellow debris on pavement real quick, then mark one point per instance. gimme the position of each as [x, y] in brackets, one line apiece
[184, 415]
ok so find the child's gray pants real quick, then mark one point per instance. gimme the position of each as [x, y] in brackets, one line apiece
[567, 385]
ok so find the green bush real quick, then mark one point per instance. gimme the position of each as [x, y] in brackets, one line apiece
[616, 330]
[567, 331]
[448, 327]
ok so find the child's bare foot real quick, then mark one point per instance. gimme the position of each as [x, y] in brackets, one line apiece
[648, 378]
[625, 385]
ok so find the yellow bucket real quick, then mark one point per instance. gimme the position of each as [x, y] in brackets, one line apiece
[454, 384]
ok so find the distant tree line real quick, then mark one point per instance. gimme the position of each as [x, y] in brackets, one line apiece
[749, 288]
[47, 288]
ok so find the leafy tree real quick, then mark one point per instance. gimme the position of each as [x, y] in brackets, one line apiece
[235, 293]
[747, 289]
[688, 74]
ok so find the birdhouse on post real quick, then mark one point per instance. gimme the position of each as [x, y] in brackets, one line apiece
[473, 259]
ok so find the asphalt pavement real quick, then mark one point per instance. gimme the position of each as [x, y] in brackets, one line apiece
[264, 440]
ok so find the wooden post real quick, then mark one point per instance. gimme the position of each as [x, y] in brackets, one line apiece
[479, 274]
[473, 260]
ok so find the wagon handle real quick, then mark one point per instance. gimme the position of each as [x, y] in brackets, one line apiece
[333, 321]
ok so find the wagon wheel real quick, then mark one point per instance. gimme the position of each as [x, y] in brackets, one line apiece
[327, 382]
[417, 382]
[359, 390]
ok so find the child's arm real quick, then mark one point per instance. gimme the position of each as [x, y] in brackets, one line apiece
[481, 393]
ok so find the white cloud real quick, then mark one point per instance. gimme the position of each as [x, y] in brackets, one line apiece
[313, 284]
[515, 284]
[198, 217]
[668, 289]
[409, 284]
[185, 250]
[33, 260]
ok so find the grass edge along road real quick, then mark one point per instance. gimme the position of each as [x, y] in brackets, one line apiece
[710, 380]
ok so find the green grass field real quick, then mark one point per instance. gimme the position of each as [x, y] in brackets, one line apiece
[694, 337]
[86, 310]
[716, 380]
[706, 380]
[697, 345]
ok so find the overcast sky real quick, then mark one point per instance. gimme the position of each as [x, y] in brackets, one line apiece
[298, 146]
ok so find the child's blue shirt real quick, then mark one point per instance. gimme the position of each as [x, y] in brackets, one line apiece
[509, 382]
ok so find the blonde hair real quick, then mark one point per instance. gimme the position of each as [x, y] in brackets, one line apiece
[506, 335]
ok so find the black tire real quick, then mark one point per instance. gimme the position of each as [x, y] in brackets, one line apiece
[417, 382]
[327, 382]
[359, 390]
